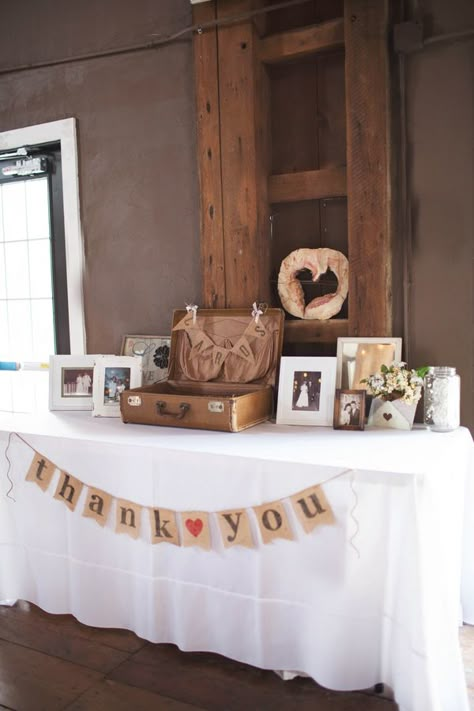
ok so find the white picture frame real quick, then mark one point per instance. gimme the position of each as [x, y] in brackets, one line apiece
[154, 351]
[117, 372]
[353, 363]
[71, 382]
[306, 391]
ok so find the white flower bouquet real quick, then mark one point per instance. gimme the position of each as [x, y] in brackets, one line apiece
[396, 382]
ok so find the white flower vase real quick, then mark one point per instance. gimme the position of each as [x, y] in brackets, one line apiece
[394, 414]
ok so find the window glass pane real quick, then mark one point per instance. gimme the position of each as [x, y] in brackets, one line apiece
[1, 213]
[23, 396]
[43, 331]
[3, 286]
[14, 212]
[6, 391]
[16, 262]
[37, 208]
[19, 328]
[4, 337]
[40, 268]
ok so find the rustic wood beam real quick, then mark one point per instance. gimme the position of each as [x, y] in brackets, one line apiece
[315, 331]
[209, 160]
[243, 93]
[298, 43]
[366, 25]
[307, 185]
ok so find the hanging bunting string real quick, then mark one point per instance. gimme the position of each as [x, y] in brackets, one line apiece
[352, 515]
[192, 308]
[310, 506]
[8, 494]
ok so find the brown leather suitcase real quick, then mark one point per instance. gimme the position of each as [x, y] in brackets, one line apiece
[223, 366]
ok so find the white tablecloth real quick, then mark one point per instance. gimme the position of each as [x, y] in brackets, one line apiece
[373, 598]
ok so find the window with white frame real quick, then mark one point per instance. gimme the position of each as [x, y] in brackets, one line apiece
[41, 252]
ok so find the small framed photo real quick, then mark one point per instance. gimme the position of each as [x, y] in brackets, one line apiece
[155, 353]
[349, 410]
[306, 391]
[71, 380]
[113, 375]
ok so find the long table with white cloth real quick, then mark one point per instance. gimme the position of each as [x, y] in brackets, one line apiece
[372, 598]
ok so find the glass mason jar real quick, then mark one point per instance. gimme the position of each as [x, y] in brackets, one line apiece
[442, 399]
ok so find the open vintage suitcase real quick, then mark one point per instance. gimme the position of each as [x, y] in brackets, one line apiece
[223, 364]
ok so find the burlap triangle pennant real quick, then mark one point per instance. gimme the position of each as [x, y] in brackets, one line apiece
[219, 355]
[256, 329]
[312, 508]
[273, 521]
[243, 350]
[68, 490]
[163, 526]
[127, 518]
[235, 528]
[200, 343]
[195, 526]
[97, 505]
[41, 471]
[186, 323]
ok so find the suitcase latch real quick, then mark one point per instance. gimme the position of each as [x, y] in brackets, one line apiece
[134, 400]
[215, 406]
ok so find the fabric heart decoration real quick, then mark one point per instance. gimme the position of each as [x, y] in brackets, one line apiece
[194, 526]
[387, 416]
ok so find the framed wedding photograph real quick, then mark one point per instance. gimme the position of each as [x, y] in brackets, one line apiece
[349, 410]
[306, 391]
[154, 352]
[357, 358]
[70, 382]
[113, 375]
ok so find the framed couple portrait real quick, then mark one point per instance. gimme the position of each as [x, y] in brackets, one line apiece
[71, 379]
[112, 376]
[306, 391]
[349, 410]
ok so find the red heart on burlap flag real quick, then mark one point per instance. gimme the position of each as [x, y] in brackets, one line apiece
[194, 526]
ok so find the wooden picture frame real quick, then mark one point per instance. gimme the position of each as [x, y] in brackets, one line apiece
[349, 409]
[154, 352]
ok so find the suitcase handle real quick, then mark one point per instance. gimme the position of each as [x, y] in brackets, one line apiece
[161, 410]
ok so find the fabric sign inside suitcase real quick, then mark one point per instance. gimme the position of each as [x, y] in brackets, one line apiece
[223, 365]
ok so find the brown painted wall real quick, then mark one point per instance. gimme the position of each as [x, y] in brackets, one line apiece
[440, 101]
[139, 187]
[138, 177]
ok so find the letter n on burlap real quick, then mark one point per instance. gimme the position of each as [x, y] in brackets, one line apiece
[127, 518]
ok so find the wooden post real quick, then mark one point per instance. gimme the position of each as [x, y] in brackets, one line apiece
[244, 154]
[209, 160]
[366, 24]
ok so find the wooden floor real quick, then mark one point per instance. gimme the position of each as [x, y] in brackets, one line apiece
[51, 662]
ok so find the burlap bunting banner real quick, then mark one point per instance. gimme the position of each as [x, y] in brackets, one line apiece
[187, 528]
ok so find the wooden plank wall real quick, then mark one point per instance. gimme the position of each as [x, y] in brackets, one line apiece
[368, 167]
[272, 139]
[242, 94]
[209, 159]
